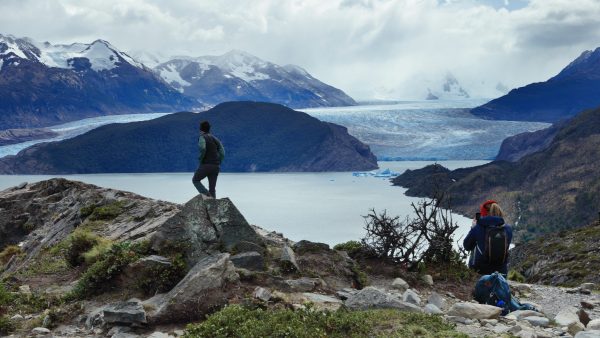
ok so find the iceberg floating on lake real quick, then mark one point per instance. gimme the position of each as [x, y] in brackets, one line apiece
[382, 173]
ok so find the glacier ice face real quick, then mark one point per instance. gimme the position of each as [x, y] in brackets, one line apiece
[425, 130]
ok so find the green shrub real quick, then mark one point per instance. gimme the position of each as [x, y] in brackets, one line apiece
[102, 212]
[109, 264]
[238, 321]
[353, 248]
[516, 276]
[5, 297]
[9, 252]
[163, 279]
[6, 325]
[77, 244]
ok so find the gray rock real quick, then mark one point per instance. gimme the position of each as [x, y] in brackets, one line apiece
[500, 328]
[593, 324]
[344, 294]
[587, 287]
[428, 280]
[145, 268]
[158, 334]
[249, 260]
[125, 335]
[474, 311]
[40, 331]
[262, 294]
[206, 287]
[566, 316]
[204, 226]
[411, 297]
[130, 312]
[459, 319]
[400, 284]
[371, 297]
[287, 261]
[24, 289]
[520, 314]
[575, 327]
[305, 246]
[437, 300]
[588, 334]
[432, 309]
[118, 329]
[303, 284]
[17, 318]
[538, 321]
[515, 329]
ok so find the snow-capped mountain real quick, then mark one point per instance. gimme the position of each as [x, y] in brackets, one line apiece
[43, 84]
[238, 75]
[449, 88]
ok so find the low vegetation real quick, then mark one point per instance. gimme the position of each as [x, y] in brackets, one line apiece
[239, 321]
[9, 252]
[102, 212]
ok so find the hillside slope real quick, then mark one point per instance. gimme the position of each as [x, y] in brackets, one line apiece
[575, 88]
[256, 137]
[553, 189]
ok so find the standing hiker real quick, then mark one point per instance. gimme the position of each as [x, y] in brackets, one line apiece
[489, 240]
[211, 155]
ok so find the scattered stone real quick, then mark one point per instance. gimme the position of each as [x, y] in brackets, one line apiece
[526, 334]
[130, 312]
[450, 294]
[428, 280]
[437, 300]
[262, 294]
[178, 333]
[305, 246]
[249, 260]
[17, 318]
[520, 314]
[118, 329]
[304, 284]
[400, 284]
[588, 334]
[206, 287]
[371, 297]
[474, 311]
[587, 287]
[575, 327]
[158, 334]
[587, 305]
[538, 321]
[461, 320]
[584, 318]
[411, 297]
[345, 293]
[500, 328]
[287, 261]
[593, 325]
[432, 309]
[567, 316]
[24, 289]
[515, 329]
[124, 335]
[323, 302]
[489, 321]
[40, 331]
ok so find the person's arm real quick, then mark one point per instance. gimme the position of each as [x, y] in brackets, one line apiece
[201, 148]
[470, 241]
[221, 150]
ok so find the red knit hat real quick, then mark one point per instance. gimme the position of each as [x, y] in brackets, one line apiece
[483, 210]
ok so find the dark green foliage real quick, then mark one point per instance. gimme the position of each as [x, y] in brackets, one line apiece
[6, 325]
[238, 321]
[516, 276]
[163, 279]
[77, 244]
[353, 248]
[5, 297]
[99, 276]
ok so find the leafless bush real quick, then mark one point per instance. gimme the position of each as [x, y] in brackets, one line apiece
[428, 237]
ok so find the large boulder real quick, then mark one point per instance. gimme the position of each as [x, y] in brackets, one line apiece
[249, 260]
[206, 287]
[567, 316]
[205, 226]
[130, 313]
[474, 311]
[371, 297]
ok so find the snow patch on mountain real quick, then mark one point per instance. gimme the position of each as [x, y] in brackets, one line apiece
[170, 74]
[101, 54]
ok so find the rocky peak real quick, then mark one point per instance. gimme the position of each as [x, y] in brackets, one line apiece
[587, 65]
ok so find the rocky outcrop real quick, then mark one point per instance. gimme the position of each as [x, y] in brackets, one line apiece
[518, 146]
[256, 136]
[12, 136]
[206, 287]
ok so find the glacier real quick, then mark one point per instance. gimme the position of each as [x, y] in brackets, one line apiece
[408, 130]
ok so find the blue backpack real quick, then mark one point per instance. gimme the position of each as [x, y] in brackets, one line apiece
[494, 290]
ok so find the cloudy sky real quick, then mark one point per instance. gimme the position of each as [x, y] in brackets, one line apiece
[369, 48]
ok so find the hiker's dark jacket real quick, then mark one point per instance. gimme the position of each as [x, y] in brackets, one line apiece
[211, 149]
[475, 242]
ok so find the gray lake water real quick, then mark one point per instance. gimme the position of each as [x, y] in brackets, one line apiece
[322, 207]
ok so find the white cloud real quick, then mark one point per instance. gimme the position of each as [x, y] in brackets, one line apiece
[391, 47]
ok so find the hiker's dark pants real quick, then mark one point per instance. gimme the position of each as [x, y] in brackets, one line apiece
[206, 170]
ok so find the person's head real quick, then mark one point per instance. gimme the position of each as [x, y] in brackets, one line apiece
[205, 126]
[495, 210]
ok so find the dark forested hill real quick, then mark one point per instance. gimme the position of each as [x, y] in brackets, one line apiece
[256, 136]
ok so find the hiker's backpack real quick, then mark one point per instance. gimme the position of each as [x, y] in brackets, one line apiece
[494, 290]
[496, 245]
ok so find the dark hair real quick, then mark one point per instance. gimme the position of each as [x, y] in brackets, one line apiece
[205, 126]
